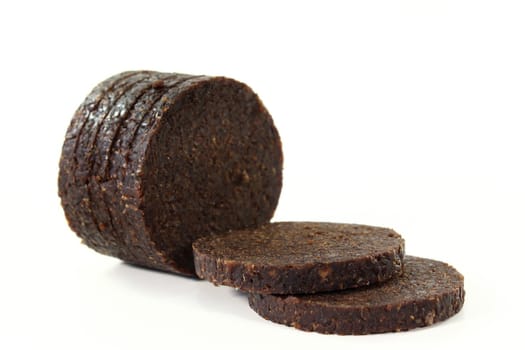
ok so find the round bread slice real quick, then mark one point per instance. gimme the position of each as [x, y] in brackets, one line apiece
[300, 257]
[429, 291]
[153, 161]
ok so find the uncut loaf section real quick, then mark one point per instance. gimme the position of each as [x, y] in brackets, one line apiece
[152, 161]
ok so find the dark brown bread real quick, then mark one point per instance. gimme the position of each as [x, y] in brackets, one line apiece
[94, 108]
[428, 292]
[300, 257]
[153, 161]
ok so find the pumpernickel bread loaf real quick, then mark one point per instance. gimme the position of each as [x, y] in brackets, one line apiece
[153, 161]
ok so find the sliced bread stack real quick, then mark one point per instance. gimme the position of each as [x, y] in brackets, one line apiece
[183, 173]
[331, 278]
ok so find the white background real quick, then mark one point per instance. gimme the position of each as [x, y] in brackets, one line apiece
[406, 114]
